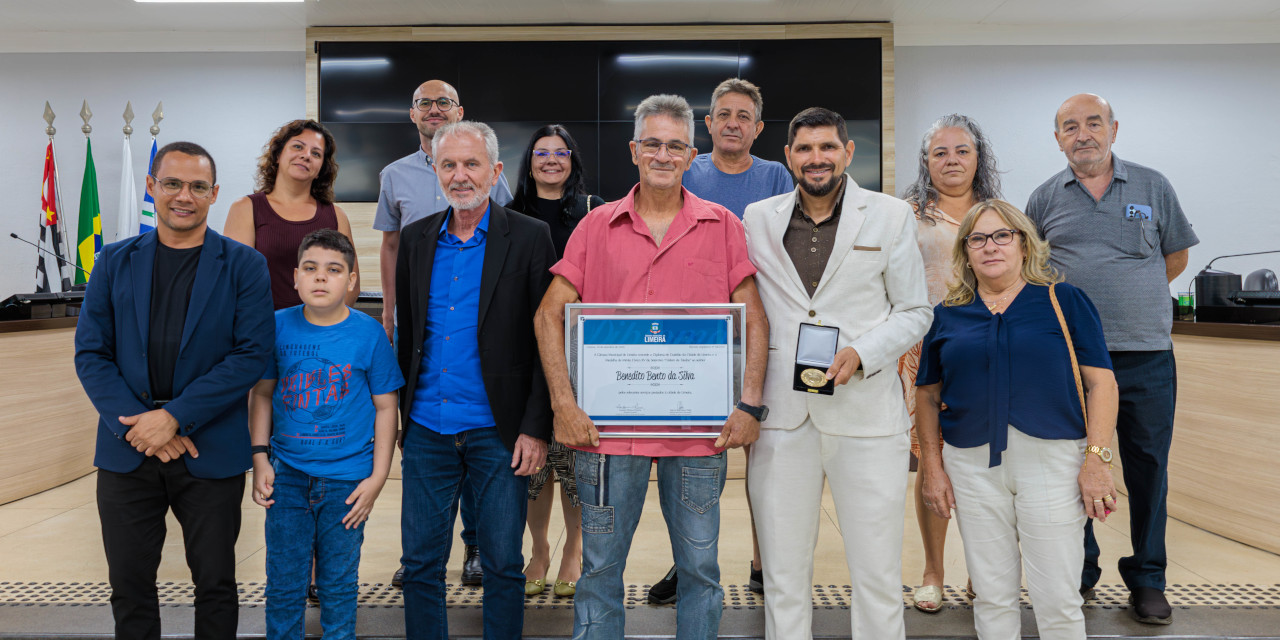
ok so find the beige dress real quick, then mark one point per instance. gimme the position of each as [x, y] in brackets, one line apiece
[937, 238]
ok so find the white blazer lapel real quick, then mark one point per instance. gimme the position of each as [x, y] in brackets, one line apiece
[851, 218]
[777, 229]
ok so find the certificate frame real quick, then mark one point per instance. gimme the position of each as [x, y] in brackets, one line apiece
[640, 423]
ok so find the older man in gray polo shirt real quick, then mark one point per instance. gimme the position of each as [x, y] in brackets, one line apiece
[1117, 231]
[411, 191]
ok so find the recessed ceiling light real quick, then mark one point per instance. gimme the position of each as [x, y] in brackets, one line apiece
[220, 1]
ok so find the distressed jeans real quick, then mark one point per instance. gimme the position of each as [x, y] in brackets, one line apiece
[612, 489]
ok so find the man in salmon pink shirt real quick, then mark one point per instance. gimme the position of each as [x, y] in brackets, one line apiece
[659, 244]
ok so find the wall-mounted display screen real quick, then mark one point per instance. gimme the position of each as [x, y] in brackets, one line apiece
[592, 88]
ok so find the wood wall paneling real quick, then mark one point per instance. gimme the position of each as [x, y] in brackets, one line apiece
[47, 434]
[1222, 475]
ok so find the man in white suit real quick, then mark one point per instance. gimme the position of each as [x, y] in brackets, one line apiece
[833, 254]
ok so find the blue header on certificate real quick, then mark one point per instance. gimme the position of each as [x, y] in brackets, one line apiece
[597, 330]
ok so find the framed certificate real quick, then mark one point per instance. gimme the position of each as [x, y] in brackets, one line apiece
[636, 367]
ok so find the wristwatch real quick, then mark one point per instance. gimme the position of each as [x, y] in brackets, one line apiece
[759, 413]
[1103, 453]
[260, 448]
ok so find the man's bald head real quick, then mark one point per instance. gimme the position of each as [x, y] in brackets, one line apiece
[1085, 128]
[435, 104]
[1084, 100]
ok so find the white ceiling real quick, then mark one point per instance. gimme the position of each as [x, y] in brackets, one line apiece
[88, 25]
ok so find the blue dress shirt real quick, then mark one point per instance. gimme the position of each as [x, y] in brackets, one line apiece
[450, 397]
[1012, 368]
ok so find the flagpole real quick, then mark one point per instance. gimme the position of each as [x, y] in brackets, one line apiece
[63, 281]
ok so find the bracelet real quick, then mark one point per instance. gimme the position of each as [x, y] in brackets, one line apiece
[260, 448]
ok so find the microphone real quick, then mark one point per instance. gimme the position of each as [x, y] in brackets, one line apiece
[1237, 255]
[43, 250]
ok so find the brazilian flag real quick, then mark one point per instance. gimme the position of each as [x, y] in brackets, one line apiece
[89, 227]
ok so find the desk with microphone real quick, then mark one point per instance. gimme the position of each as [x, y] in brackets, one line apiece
[1222, 296]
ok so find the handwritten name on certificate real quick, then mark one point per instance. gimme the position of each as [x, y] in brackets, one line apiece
[655, 370]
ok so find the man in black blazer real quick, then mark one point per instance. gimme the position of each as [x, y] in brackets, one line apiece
[475, 411]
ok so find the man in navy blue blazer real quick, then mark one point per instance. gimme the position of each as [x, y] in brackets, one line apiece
[176, 327]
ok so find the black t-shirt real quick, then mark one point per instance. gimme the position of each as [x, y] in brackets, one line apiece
[171, 278]
[550, 212]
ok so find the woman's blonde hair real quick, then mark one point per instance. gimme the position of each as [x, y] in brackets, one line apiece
[1035, 263]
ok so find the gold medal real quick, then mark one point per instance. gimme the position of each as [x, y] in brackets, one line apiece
[814, 377]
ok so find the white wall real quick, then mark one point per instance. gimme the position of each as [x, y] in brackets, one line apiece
[227, 102]
[1204, 115]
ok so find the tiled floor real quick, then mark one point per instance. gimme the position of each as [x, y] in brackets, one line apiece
[54, 536]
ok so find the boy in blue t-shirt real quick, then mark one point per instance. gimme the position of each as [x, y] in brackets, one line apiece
[327, 404]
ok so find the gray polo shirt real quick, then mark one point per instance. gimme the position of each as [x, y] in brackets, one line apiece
[411, 191]
[1114, 248]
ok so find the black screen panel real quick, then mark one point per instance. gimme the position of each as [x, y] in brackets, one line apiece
[592, 88]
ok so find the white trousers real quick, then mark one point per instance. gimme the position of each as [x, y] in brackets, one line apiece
[1024, 513]
[868, 479]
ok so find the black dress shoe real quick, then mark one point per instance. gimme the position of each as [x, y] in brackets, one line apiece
[1149, 606]
[756, 583]
[313, 594]
[472, 573]
[397, 579]
[664, 591]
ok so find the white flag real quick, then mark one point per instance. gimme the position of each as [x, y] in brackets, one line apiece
[128, 217]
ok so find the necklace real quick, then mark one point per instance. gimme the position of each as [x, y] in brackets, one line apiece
[992, 306]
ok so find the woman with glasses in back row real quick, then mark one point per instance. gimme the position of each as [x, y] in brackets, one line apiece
[294, 197]
[1016, 357]
[551, 189]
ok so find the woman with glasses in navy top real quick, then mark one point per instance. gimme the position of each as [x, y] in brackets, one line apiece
[551, 189]
[1022, 466]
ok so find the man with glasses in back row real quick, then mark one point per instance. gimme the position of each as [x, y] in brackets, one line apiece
[659, 244]
[410, 191]
[176, 327]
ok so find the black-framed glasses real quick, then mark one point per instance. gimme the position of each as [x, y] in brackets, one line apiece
[173, 186]
[977, 240]
[651, 146]
[424, 104]
[563, 154]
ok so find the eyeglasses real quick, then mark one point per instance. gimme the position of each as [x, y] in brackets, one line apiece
[651, 146]
[977, 240]
[424, 104]
[173, 186]
[563, 154]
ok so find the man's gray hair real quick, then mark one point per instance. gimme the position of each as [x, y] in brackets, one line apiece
[663, 104]
[479, 129]
[744, 87]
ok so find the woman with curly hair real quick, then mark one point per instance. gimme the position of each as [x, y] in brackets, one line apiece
[294, 197]
[957, 170]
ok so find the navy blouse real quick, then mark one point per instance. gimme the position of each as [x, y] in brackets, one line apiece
[1011, 368]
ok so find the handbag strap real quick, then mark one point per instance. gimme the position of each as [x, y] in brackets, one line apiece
[1071, 349]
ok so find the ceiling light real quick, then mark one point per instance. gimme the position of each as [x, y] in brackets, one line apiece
[219, 1]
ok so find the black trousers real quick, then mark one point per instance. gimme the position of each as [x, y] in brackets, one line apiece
[132, 508]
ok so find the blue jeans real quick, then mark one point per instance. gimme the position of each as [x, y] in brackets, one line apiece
[1148, 383]
[306, 519]
[612, 489]
[436, 470]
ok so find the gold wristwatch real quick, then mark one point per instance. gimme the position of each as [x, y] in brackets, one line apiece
[1104, 453]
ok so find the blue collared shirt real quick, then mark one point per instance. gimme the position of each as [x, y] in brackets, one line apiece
[450, 397]
[409, 190]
